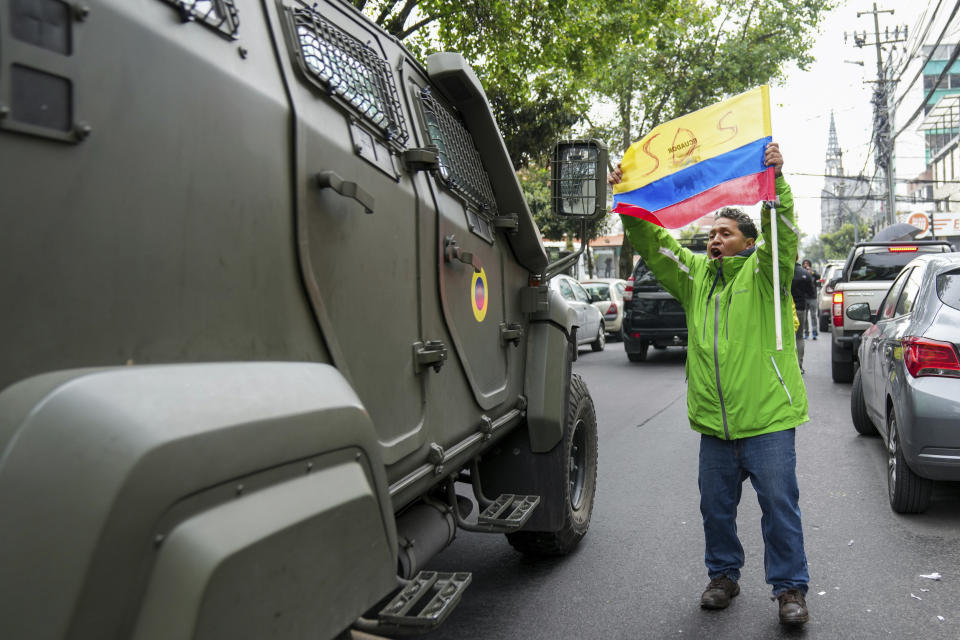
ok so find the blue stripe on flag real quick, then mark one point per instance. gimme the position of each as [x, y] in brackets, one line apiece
[696, 179]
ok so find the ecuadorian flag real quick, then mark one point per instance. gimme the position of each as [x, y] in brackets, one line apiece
[699, 162]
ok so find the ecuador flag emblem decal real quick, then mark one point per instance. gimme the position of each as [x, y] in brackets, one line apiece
[479, 295]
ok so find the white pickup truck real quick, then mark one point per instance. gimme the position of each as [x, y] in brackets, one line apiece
[870, 269]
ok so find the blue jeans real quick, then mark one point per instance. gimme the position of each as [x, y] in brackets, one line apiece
[769, 460]
[812, 321]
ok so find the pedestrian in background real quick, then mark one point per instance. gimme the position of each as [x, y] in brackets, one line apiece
[802, 289]
[744, 396]
[812, 305]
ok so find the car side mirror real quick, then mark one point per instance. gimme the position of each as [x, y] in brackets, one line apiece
[832, 284]
[578, 179]
[594, 296]
[861, 311]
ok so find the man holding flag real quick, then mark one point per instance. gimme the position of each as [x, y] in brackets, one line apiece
[745, 393]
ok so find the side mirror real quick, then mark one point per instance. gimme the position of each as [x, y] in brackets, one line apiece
[594, 296]
[831, 285]
[860, 311]
[578, 179]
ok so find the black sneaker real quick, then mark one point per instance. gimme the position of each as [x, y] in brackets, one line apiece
[718, 593]
[793, 607]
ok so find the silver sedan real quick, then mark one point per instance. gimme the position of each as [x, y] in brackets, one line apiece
[590, 325]
[908, 385]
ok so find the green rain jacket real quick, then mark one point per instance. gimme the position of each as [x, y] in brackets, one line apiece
[739, 385]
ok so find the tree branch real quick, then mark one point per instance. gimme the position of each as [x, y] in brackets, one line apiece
[385, 11]
[419, 25]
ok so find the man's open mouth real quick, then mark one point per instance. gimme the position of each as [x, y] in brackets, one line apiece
[715, 252]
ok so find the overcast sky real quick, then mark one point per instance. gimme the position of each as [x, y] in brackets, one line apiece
[801, 106]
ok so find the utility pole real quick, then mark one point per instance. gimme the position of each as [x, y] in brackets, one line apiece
[882, 102]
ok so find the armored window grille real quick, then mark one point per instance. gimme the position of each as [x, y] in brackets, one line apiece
[221, 15]
[350, 69]
[460, 165]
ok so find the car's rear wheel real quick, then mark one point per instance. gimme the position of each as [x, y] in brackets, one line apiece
[840, 370]
[909, 493]
[601, 341]
[579, 480]
[824, 324]
[640, 355]
[858, 408]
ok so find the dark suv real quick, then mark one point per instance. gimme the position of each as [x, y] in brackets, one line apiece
[651, 316]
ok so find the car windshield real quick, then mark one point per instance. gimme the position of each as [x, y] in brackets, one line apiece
[597, 291]
[879, 265]
[948, 288]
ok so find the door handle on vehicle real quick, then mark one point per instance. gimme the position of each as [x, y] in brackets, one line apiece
[330, 180]
[452, 251]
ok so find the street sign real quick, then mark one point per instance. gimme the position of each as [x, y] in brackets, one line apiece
[920, 221]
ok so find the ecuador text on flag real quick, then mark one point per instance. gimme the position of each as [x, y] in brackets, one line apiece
[699, 162]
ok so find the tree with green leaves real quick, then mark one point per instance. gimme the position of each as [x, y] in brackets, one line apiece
[695, 54]
[837, 245]
[543, 62]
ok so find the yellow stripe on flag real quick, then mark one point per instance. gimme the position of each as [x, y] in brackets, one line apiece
[697, 136]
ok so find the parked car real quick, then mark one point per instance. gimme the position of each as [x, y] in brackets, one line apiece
[831, 271]
[651, 316]
[590, 325]
[908, 385]
[867, 274]
[606, 294]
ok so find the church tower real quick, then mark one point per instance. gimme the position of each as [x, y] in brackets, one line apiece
[833, 184]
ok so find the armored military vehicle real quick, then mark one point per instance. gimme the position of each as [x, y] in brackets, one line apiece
[275, 325]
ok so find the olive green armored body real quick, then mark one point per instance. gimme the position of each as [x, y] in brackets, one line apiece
[275, 326]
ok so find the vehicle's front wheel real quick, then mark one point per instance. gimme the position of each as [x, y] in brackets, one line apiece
[601, 341]
[824, 323]
[579, 480]
[641, 354]
[858, 408]
[909, 493]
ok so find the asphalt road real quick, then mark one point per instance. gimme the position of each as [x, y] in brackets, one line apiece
[639, 571]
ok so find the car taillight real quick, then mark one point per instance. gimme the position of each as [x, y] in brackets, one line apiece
[628, 292]
[838, 309]
[925, 357]
[902, 249]
[612, 308]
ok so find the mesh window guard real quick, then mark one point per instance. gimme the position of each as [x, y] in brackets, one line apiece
[460, 165]
[348, 68]
[221, 15]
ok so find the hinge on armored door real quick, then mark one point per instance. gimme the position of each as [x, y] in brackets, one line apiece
[510, 332]
[508, 222]
[427, 158]
[432, 353]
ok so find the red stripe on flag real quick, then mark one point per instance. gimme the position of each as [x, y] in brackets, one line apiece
[745, 190]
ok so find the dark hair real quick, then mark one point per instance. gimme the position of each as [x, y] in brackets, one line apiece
[806, 261]
[744, 223]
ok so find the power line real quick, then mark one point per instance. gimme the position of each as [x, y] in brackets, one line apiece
[953, 58]
[919, 43]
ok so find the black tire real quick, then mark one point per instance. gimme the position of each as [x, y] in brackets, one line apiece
[840, 370]
[601, 341]
[858, 408]
[579, 480]
[824, 324]
[641, 355]
[909, 493]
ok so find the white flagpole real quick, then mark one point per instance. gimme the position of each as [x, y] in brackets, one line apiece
[776, 275]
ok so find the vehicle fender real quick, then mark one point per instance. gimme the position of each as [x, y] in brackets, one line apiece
[551, 345]
[189, 501]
